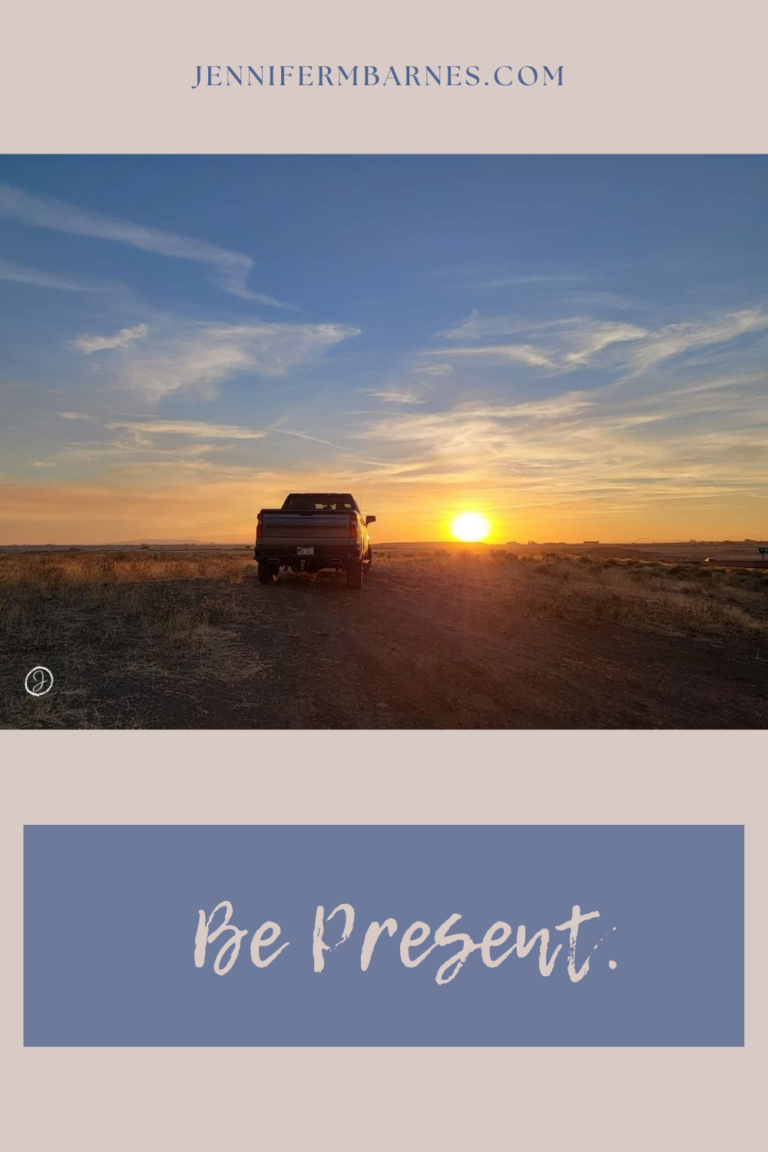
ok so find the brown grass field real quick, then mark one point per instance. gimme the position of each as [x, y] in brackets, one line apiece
[439, 637]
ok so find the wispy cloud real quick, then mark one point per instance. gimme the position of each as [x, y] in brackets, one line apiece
[20, 274]
[478, 327]
[592, 338]
[349, 452]
[568, 343]
[577, 449]
[565, 341]
[536, 278]
[395, 397]
[121, 339]
[198, 429]
[468, 424]
[527, 354]
[611, 457]
[433, 369]
[231, 269]
[675, 339]
[197, 359]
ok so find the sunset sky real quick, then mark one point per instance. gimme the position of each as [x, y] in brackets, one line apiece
[573, 346]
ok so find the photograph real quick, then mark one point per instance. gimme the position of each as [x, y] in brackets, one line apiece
[383, 441]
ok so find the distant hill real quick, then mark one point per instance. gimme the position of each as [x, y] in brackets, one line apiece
[431, 544]
[156, 542]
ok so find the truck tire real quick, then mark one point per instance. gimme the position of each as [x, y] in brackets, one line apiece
[355, 574]
[368, 560]
[267, 574]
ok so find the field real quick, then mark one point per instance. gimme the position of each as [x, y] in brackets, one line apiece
[439, 637]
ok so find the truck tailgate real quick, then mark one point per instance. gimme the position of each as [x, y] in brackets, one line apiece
[289, 528]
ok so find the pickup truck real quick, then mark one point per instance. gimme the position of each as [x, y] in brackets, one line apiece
[312, 531]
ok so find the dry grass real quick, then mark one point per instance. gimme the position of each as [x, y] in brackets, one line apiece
[48, 570]
[675, 599]
[690, 600]
[129, 621]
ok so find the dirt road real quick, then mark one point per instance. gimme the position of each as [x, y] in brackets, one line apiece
[422, 646]
[447, 654]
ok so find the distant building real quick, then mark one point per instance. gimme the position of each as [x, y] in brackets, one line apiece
[590, 541]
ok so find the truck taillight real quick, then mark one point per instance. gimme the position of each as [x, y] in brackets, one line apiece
[259, 526]
[353, 526]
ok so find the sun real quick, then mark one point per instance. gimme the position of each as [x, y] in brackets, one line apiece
[470, 527]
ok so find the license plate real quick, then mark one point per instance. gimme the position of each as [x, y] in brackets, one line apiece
[305, 551]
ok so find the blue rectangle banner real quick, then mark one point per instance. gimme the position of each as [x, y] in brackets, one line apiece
[383, 935]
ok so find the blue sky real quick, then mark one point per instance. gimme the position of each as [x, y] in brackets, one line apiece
[575, 346]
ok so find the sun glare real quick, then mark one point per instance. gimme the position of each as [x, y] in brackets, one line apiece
[470, 527]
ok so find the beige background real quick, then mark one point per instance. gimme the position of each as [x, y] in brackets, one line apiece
[661, 76]
[383, 1098]
[654, 75]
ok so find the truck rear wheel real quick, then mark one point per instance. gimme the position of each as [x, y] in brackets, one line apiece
[267, 573]
[355, 574]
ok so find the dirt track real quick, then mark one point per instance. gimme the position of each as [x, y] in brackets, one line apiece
[443, 655]
[421, 646]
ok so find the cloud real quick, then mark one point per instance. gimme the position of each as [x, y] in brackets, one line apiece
[543, 278]
[614, 451]
[616, 456]
[670, 415]
[566, 344]
[561, 345]
[592, 338]
[350, 452]
[230, 269]
[121, 339]
[433, 370]
[142, 452]
[552, 408]
[196, 359]
[20, 274]
[197, 428]
[468, 424]
[525, 354]
[398, 397]
[477, 327]
[675, 339]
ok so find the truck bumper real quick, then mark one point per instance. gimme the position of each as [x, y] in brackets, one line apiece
[324, 555]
